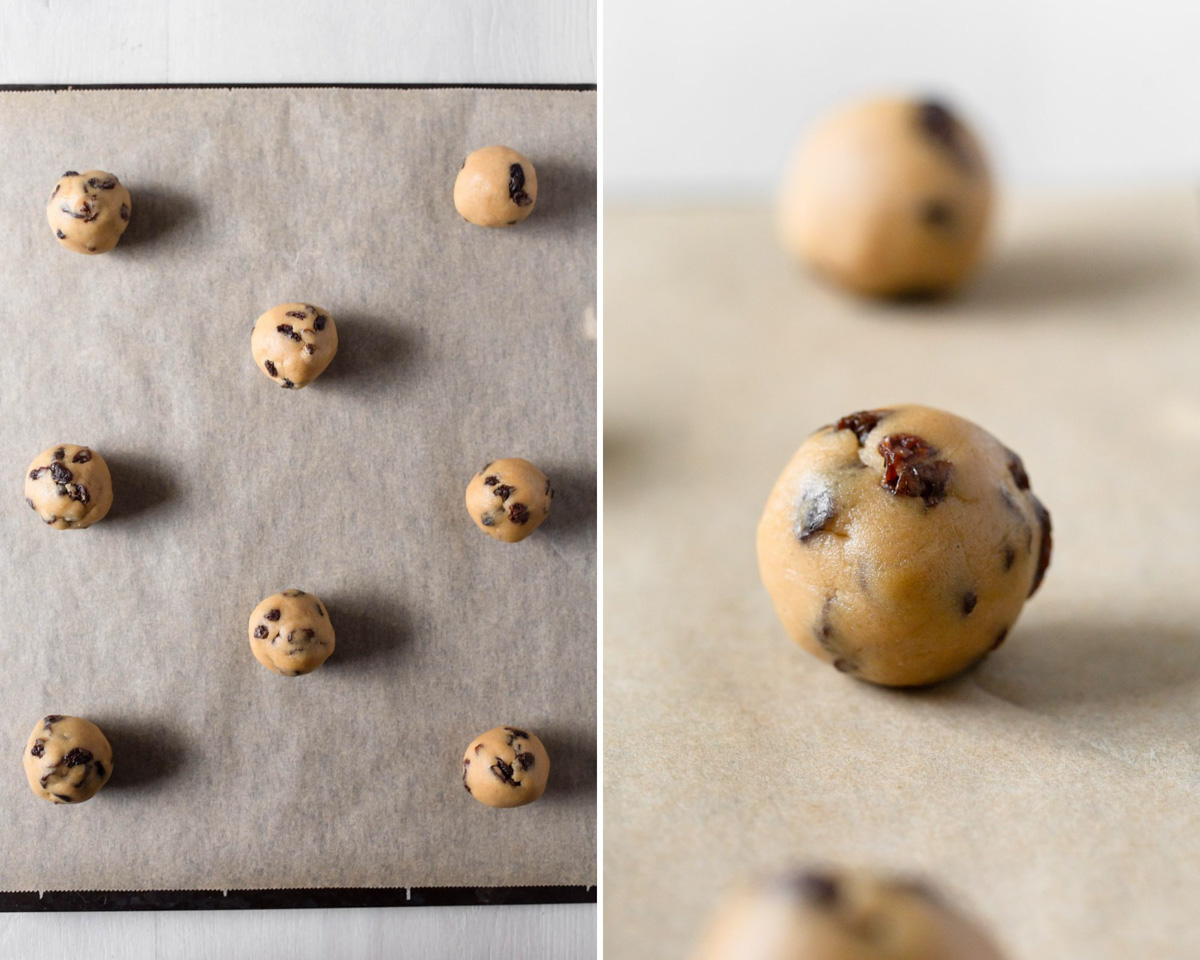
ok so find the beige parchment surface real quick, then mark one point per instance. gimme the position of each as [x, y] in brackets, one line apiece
[1054, 791]
[458, 345]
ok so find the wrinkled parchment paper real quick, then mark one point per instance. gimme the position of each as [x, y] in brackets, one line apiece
[458, 345]
[1054, 792]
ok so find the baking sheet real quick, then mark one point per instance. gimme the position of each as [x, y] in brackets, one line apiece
[457, 345]
[1053, 790]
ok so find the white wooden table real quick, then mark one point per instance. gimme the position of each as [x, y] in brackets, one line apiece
[50, 42]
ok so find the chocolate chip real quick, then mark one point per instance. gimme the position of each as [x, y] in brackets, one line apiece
[1043, 516]
[516, 186]
[309, 634]
[60, 453]
[490, 481]
[943, 129]
[287, 384]
[82, 456]
[969, 599]
[63, 797]
[999, 639]
[525, 760]
[911, 471]
[1017, 469]
[517, 734]
[271, 615]
[320, 322]
[816, 510]
[125, 212]
[36, 472]
[70, 173]
[270, 367]
[862, 423]
[32, 505]
[61, 235]
[77, 756]
[504, 771]
[80, 493]
[100, 769]
[52, 719]
[816, 889]
[937, 213]
[260, 632]
[97, 184]
[55, 193]
[288, 331]
[38, 748]
[310, 349]
[60, 474]
[1010, 556]
[298, 314]
[487, 520]
[518, 513]
[504, 491]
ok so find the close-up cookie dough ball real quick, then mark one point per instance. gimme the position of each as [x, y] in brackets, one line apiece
[290, 633]
[293, 343]
[67, 759]
[889, 198]
[506, 767]
[496, 187]
[842, 915]
[508, 499]
[900, 544]
[88, 211]
[69, 487]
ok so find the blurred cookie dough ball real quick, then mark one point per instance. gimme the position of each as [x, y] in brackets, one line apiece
[506, 767]
[88, 211]
[508, 499]
[830, 915]
[290, 633]
[67, 759]
[293, 343]
[69, 487]
[496, 187]
[889, 198]
[900, 544]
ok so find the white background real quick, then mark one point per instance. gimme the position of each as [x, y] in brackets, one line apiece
[704, 99]
[281, 41]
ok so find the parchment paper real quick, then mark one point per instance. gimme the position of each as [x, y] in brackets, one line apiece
[1053, 791]
[458, 345]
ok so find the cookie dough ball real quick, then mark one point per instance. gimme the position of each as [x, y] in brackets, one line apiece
[508, 499]
[290, 633]
[293, 343]
[506, 767]
[889, 198]
[900, 544]
[842, 916]
[69, 487]
[496, 187]
[88, 211]
[67, 759]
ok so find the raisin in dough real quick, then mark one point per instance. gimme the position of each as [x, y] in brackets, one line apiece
[508, 499]
[900, 544]
[69, 487]
[496, 187]
[290, 633]
[88, 211]
[889, 198]
[67, 759]
[842, 916]
[293, 343]
[506, 767]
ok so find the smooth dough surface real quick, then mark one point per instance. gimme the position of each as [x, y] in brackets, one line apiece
[900, 544]
[67, 759]
[496, 187]
[293, 343]
[88, 211]
[69, 486]
[291, 633]
[842, 916]
[889, 198]
[506, 767]
[508, 499]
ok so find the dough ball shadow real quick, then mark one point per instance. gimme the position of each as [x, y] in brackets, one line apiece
[143, 753]
[157, 212]
[141, 484]
[369, 629]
